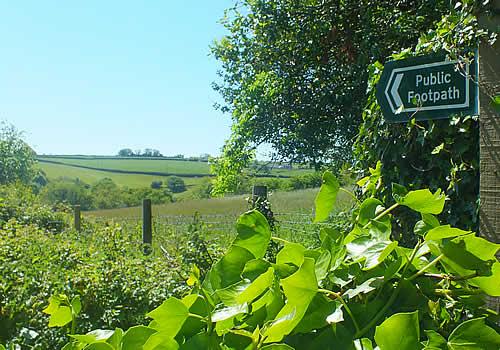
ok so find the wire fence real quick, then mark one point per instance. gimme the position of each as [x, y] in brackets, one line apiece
[294, 227]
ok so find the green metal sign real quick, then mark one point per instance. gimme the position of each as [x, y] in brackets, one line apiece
[427, 87]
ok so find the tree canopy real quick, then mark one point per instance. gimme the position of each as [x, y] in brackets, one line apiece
[17, 158]
[294, 73]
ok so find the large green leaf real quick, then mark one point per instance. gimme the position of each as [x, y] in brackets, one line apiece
[169, 316]
[366, 287]
[474, 335]
[229, 312]
[299, 289]
[291, 253]
[369, 209]
[246, 291]
[116, 338]
[370, 251]
[254, 233]
[490, 284]
[444, 231]
[317, 314]
[423, 201]
[135, 337]
[325, 200]
[435, 340]
[160, 341]
[400, 331]
[227, 271]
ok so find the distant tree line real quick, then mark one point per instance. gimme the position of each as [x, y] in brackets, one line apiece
[148, 152]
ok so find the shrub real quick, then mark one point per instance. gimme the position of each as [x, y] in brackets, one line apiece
[355, 290]
[156, 184]
[176, 184]
[116, 283]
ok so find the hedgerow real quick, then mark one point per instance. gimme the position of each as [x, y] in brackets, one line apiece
[358, 289]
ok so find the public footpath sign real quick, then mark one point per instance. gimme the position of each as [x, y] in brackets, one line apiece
[427, 87]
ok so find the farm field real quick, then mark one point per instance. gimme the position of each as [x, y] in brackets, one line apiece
[295, 202]
[91, 176]
[153, 165]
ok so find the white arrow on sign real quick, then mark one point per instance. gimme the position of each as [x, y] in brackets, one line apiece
[394, 86]
[394, 90]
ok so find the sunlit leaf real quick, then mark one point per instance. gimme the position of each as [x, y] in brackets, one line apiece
[325, 200]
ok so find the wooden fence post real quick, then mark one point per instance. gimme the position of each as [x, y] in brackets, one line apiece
[77, 218]
[259, 192]
[147, 227]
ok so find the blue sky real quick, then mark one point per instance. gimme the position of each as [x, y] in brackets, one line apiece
[92, 77]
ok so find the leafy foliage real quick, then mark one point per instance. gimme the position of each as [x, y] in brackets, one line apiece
[294, 74]
[104, 269]
[333, 296]
[16, 157]
[433, 154]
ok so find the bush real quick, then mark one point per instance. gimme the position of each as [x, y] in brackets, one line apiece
[68, 192]
[19, 205]
[116, 283]
[17, 159]
[176, 184]
[156, 184]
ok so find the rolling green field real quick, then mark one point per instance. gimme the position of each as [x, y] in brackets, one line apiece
[170, 166]
[90, 176]
[295, 202]
[144, 165]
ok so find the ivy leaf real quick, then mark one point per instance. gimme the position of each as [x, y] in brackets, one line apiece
[400, 331]
[254, 233]
[116, 338]
[229, 312]
[444, 231]
[365, 287]
[160, 341]
[427, 223]
[227, 270]
[325, 200]
[474, 335]
[370, 251]
[135, 337]
[490, 284]
[299, 289]
[246, 291]
[169, 316]
[435, 340]
[422, 201]
[291, 253]
[317, 314]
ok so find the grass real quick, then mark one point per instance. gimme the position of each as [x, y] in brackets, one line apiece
[298, 202]
[146, 165]
[170, 166]
[89, 176]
